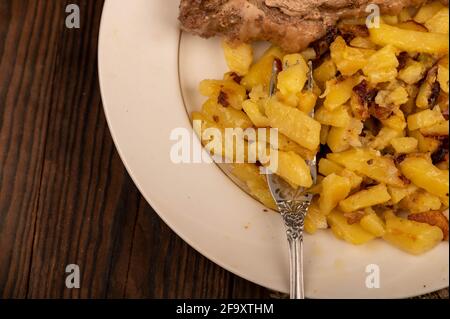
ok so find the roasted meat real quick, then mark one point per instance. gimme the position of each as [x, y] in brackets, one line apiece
[292, 24]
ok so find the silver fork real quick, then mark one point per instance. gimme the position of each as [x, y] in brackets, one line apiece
[293, 206]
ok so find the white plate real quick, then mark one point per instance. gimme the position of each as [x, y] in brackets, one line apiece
[138, 59]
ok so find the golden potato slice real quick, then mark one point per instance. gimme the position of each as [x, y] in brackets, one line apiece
[256, 182]
[398, 193]
[338, 117]
[327, 167]
[355, 179]
[420, 201]
[338, 93]
[325, 72]
[424, 119]
[294, 124]
[348, 60]
[314, 219]
[306, 101]
[413, 72]
[427, 11]
[261, 71]
[353, 233]
[425, 175]
[396, 121]
[342, 138]
[404, 145]
[254, 113]
[239, 56]
[410, 236]
[373, 224]
[411, 25]
[425, 144]
[439, 22]
[293, 169]
[382, 65]
[225, 116]
[384, 138]
[410, 41]
[334, 189]
[292, 80]
[366, 198]
[439, 129]
[363, 43]
[225, 92]
[369, 163]
[433, 218]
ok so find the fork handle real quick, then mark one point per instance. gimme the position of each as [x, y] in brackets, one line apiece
[296, 268]
[294, 213]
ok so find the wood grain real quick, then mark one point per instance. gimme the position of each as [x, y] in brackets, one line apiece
[65, 196]
[29, 34]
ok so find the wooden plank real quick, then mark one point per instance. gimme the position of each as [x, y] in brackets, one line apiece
[164, 266]
[243, 289]
[88, 205]
[29, 32]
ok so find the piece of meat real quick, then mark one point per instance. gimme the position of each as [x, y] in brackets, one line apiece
[291, 24]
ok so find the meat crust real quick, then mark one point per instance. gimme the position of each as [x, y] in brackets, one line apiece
[291, 24]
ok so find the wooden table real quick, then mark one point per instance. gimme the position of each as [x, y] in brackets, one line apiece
[65, 197]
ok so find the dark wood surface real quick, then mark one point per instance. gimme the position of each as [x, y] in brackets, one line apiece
[65, 197]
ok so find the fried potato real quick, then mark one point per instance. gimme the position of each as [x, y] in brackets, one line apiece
[373, 224]
[239, 56]
[325, 72]
[294, 124]
[315, 219]
[225, 92]
[253, 111]
[334, 189]
[433, 218]
[425, 175]
[404, 145]
[439, 22]
[353, 233]
[370, 164]
[348, 60]
[339, 117]
[411, 41]
[338, 93]
[342, 138]
[427, 11]
[366, 198]
[382, 65]
[293, 169]
[424, 119]
[250, 175]
[420, 201]
[411, 236]
[261, 71]
[398, 193]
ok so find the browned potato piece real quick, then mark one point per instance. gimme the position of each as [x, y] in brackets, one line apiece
[433, 218]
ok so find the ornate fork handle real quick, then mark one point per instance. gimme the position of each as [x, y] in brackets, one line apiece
[294, 213]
